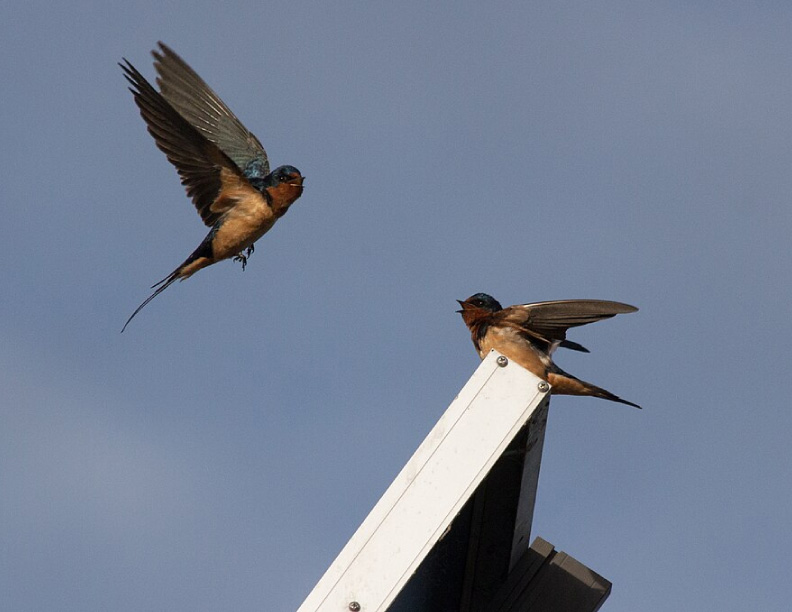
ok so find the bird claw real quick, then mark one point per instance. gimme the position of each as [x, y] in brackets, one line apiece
[244, 257]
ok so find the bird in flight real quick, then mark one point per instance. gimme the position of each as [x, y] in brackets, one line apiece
[222, 165]
[528, 334]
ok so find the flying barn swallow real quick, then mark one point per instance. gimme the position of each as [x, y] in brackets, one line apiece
[222, 165]
[529, 333]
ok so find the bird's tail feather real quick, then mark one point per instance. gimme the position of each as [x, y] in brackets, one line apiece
[566, 384]
[200, 258]
[161, 286]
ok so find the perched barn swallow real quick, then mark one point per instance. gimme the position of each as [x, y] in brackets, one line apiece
[222, 165]
[529, 333]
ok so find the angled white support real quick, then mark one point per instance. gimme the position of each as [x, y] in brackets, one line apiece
[426, 496]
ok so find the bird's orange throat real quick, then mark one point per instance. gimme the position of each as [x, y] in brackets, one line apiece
[473, 316]
[284, 195]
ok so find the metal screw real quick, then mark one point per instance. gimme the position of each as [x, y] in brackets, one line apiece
[354, 606]
[543, 387]
[502, 361]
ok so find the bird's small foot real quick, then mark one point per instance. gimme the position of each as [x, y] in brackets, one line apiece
[242, 258]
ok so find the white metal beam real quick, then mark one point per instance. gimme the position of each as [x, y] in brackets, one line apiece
[430, 490]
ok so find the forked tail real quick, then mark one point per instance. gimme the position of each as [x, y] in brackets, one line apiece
[165, 282]
[200, 258]
[566, 384]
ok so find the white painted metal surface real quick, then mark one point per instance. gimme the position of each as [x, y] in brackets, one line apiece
[430, 490]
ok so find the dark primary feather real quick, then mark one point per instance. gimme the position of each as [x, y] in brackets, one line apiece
[550, 320]
[573, 346]
[198, 161]
[203, 108]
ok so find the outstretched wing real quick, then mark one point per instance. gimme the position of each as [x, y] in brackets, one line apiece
[205, 111]
[204, 169]
[549, 321]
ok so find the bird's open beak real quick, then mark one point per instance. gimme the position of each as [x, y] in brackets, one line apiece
[463, 304]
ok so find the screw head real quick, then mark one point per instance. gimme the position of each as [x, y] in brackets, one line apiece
[502, 361]
[354, 606]
[543, 387]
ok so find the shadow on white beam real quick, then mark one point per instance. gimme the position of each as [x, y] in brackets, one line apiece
[419, 507]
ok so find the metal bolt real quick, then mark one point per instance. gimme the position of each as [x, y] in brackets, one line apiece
[354, 606]
[543, 387]
[502, 361]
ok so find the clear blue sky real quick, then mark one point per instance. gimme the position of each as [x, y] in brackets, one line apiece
[218, 454]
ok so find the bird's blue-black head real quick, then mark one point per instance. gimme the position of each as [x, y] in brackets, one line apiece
[282, 174]
[484, 301]
[285, 174]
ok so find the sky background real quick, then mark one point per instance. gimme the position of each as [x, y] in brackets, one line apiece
[219, 453]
